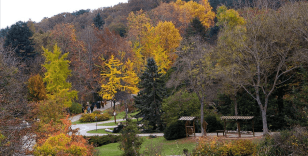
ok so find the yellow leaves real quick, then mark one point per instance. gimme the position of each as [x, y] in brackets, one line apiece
[137, 24]
[57, 71]
[130, 78]
[230, 18]
[170, 37]
[160, 43]
[61, 143]
[190, 10]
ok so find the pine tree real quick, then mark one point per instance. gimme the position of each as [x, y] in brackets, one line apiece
[18, 38]
[98, 21]
[149, 99]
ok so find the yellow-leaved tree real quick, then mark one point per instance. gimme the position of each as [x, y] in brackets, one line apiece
[158, 41]
[190, 10]
[130, 78]
[111, 78]
[57, 71]
[170, 39]
[59, 93]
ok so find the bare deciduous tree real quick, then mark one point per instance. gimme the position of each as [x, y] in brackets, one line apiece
[266, 51]
[195, 70]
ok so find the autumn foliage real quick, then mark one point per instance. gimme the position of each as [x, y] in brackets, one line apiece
[37, 91]
[59, 139]
[217, 147]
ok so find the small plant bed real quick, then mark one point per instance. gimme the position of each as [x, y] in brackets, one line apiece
[101, 131]
[93, 117]
[113, 124]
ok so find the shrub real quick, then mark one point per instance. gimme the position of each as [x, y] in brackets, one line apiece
[91, 117]
[175, 130]
[59, 139]
[97, 112]
[217, 148]
[103, 140]
[76, 108]
[130, 142]
[294, 142]
[213, 123]
[109, 111]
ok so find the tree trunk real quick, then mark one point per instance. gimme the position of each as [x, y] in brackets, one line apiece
[202, 117]
[264, 121]
[202, 113]
[233, 98]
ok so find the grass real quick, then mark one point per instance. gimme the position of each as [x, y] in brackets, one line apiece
[113, 124]
[110, 149]
[101, 131]
[167, 147]
[121, 115]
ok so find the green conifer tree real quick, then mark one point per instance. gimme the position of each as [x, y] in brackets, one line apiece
[149, 99]
[98, 21]
[18, 38]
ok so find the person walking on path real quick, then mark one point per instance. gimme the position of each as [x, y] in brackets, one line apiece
[92, 107]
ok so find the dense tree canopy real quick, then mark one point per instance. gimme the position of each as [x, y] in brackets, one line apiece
[18, 38]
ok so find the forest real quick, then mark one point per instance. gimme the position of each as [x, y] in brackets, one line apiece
[202, 58]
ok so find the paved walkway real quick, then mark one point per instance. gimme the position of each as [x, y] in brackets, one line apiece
[83, 128]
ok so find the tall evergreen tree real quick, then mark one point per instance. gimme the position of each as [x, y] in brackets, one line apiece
[4, 32]
[98, 21]
[18, 38]
[149, 99]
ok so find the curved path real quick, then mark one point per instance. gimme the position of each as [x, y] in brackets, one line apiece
[83, 128]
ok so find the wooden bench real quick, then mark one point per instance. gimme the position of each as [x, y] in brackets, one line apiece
[220, 131]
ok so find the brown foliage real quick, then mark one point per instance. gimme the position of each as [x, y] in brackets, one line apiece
[13, 106]
[37, 91]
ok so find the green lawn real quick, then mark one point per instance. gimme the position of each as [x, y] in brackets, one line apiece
[167, 147]
[101, 131]
[121, 115]
[78, 122]
[113, 124]
[109, 149]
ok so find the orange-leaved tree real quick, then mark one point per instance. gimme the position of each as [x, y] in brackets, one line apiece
[181, 13]
[59, 139]
[36, 88]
